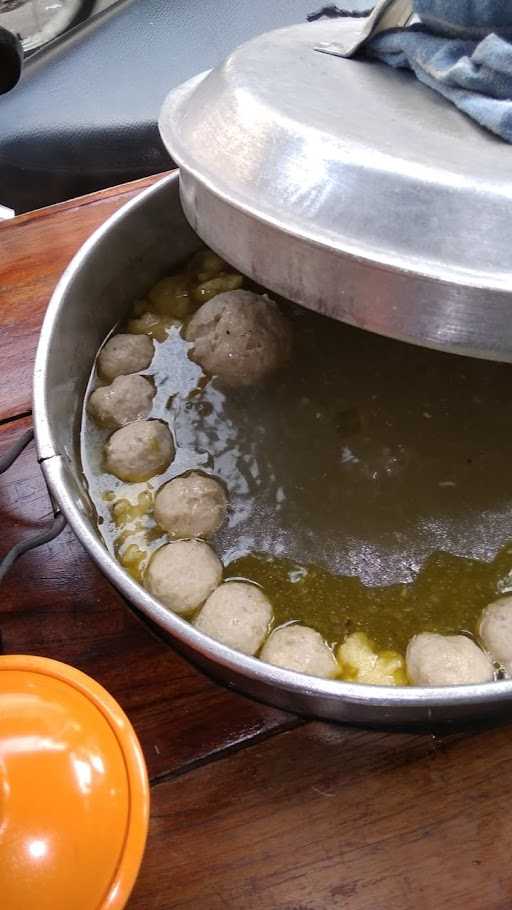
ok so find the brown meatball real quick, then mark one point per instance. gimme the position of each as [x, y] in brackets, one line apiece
[297, 647]
[123, 354]
[183, 574]
[237, 614]
[139, 451]
[240, 337]
[446, 660]
[127, 399]
[191, 506]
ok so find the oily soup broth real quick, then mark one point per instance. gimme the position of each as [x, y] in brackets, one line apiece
[368, 481]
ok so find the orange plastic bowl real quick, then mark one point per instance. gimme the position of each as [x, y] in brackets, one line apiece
[74, 795]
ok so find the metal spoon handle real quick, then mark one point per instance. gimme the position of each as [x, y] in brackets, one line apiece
[351, 33]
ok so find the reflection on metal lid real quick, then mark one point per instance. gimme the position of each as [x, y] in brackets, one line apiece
[351, 188]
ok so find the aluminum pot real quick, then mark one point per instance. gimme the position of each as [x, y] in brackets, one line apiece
[122, 258]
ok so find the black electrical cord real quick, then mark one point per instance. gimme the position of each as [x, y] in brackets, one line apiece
[49, 533]
[42, 537]
[11, 455]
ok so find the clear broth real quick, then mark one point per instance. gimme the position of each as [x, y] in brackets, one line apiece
[369, 481]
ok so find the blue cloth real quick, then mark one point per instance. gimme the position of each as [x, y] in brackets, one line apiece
[470, 19]
[461, 50]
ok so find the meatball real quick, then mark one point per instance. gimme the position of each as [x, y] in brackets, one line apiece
[495, 630]
[139, 450]
[239, 337]
[302, 649]
[123, 354]
[183, 574]
[446, 660]
[191, 506]
[128, 398]
[237, 614]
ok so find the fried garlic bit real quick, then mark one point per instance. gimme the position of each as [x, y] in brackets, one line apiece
[134, 561]
[124, 512]
[360, 662]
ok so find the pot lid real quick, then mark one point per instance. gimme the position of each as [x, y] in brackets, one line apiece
[73, 790]
[351, 188]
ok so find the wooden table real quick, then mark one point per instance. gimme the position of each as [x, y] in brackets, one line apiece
[252, 808]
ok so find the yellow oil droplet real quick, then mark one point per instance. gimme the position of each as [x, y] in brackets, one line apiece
[133, 560]
[218, 285]
[125, 512]
[152, 324]
[172, 297]
[205, 265]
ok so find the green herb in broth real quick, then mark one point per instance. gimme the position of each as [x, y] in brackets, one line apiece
[447, 597]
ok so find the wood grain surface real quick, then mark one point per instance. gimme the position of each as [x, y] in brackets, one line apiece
[34, 251]
[252, 808]
[325, 817]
